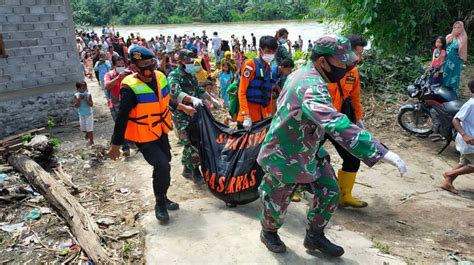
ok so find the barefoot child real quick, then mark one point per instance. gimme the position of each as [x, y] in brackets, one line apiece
[83, 103]
[464, 123]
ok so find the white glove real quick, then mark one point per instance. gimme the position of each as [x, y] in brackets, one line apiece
[360, 124]
[247, 122]
[196, 102]
[393, 159]
[216, 103]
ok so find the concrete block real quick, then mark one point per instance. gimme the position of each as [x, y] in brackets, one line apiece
[12, 44]
[60, 17]
[14, 18]
[62, 71]
[3, 19]
[63, 33]
[27, 68]
[46, 57]
[14, 60]
[9, 27]
[52, 49]
[52, 9]
[49, 33]
[30, 42]
[29, 83]
[20, 52]
[46, 17]
[32, 59]
[41, 26]
[26, 27]
[21, 10]
[45, 81]
[43, 2]
[5, 10]
[13, 86]
[18, 77]
[15, 35]
[28, 2]
[48, 72]
[34, 34]
[12, 2]
[31, 18]
[5, 78]
[55, 25]
[37, 9]
[2, 3]
[57, 2]
[44, 42]
[37, 50]
[60, 56]
[56, 64]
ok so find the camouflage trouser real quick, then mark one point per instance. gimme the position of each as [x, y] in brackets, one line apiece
[190, 159]
[276, 196]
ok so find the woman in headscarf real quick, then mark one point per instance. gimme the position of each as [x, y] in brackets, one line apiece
[456, 55]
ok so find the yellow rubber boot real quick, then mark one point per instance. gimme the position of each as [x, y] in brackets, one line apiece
[346, 182]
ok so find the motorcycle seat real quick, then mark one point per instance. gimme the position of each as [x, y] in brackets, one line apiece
[452, 107]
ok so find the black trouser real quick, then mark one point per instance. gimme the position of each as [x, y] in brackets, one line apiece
[158, 154]
[350, 163]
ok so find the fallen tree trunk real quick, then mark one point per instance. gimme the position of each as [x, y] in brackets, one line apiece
[81, 224]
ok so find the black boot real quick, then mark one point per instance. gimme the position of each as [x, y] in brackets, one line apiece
[187, 173]
[315, 239]
[272, 241]
[170, 205]
[160, 210]
[197, 177]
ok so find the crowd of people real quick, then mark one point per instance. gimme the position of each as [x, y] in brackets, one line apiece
[153, 86]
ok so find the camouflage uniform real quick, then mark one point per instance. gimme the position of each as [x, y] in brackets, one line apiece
[183, 84]
[291, 153]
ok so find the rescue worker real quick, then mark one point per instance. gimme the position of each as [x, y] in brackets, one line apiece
[350, 87]
[255, 85]
[291, 153]
[185, 88]
[144, 118]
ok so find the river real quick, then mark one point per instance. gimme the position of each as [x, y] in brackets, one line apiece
[309, 30]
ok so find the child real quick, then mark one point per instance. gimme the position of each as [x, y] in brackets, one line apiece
[233, 103]
[439, 53]
[217, 69]
[464, 123]
[225, 78]
[208, 87]
[83, 103]
[102, 67]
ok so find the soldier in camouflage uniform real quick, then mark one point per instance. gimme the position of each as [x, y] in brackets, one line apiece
[185, 89]
[291, 153]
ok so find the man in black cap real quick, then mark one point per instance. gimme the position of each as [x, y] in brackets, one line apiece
[144, 118]
[184, 85]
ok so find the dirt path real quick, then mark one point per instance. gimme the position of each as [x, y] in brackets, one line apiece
[407, 217]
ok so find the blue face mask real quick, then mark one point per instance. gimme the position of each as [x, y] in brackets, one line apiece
[191, 68]
[119, 69]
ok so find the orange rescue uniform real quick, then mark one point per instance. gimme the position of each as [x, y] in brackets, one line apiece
[350, 84]
[256, 111]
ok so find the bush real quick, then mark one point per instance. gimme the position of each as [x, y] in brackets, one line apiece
[179, 20]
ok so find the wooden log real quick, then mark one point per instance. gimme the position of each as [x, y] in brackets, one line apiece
[79, 221]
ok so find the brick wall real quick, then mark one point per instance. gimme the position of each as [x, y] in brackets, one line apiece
[42, 59]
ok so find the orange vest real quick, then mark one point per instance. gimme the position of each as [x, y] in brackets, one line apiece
[151, 117]
[351, 88]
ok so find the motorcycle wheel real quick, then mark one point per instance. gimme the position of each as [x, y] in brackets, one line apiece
[415, 121]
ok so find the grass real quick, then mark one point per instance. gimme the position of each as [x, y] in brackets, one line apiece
[383, 248]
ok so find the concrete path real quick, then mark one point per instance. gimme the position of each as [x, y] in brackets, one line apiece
[205, 231]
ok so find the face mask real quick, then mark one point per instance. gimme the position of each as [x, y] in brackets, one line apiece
[119, 69]
[147, 71]
[191, 68]
[336, 73]
[268, 58]
[282, 40]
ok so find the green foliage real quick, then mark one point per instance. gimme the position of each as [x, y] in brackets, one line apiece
[55, 142]
[399, 27]
[50, 124]
[99, 12]
[26, 137]
[251, 55]
[298, 55]
[388, 73]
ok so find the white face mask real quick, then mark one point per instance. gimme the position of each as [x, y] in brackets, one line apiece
[268, 58]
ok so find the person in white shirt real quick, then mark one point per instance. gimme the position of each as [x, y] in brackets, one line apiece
[463, 123]
[216, 46]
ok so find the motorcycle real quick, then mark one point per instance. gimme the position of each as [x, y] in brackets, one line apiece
[433, 112]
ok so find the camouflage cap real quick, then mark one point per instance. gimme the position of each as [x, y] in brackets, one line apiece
[337, 46]
[185, 54]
